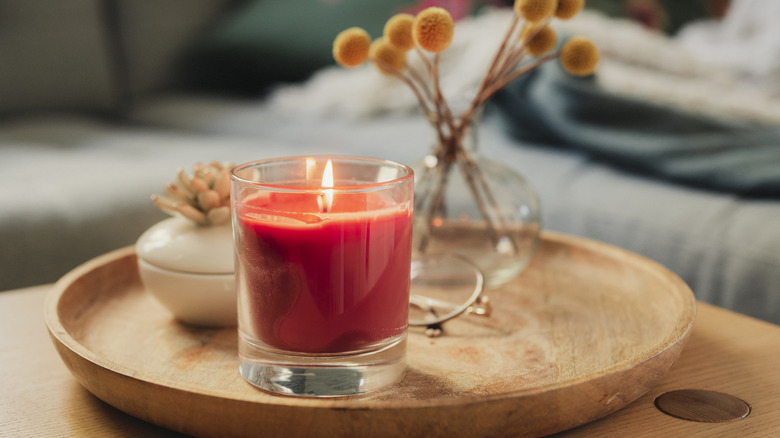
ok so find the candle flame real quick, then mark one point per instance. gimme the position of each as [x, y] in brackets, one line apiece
[325, 200]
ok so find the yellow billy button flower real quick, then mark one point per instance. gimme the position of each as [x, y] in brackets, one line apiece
[539, 42]
[579, 56]
[350, 48]
[390, 57]
[398, 31]
[433, 29]
[568, 8]
[535, 10]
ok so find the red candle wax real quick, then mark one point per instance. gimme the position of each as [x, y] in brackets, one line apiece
[325, 282]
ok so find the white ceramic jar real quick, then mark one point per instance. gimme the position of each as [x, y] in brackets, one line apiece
[189, 269]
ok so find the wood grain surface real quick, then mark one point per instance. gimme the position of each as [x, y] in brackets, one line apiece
[727, 352]
[584, 331]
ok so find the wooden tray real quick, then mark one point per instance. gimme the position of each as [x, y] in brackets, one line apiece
[586, 329]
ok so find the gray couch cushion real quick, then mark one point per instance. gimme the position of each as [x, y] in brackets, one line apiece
[72, 187]
[152, 33]
[55, 55]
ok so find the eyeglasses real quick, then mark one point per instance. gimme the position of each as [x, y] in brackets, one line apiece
[443, 287]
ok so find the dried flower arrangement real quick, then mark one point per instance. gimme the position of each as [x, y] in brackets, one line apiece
[430, 33]
[432, 30]
[203, 198]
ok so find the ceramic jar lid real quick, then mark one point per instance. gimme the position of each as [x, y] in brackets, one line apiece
[178, 244]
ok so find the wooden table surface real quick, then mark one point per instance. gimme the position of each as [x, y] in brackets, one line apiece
[727, 352]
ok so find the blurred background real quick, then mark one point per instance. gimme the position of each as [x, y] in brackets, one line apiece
[669, 150]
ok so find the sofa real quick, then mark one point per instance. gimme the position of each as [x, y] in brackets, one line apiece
[101, 102]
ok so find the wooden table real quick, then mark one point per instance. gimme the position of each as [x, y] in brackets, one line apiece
[727, 352]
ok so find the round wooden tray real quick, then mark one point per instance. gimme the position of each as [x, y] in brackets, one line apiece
[585, 330]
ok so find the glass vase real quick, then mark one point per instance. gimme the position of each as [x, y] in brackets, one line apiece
[473, 206]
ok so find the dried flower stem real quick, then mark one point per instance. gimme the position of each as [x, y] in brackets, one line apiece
[409, 81]
[441, 103]
[469, 168]
[472, 172]
[415, 76]
[424, 104]
[426, 62]
[502, 82]
[510, 60]
[489, 77]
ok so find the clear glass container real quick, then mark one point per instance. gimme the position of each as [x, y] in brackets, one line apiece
[479, 208]
[323, 253]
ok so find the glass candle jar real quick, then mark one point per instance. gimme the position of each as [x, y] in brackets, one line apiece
[323, 254]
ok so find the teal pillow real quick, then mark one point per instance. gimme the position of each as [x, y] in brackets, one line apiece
[271, 41]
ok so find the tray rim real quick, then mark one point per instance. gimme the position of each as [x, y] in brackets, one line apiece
[676, 338]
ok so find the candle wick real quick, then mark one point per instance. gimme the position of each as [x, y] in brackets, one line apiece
[323, 204]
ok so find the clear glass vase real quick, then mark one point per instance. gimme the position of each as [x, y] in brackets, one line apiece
[478, 208]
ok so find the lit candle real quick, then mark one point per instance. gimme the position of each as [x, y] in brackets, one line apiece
[324, 269]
